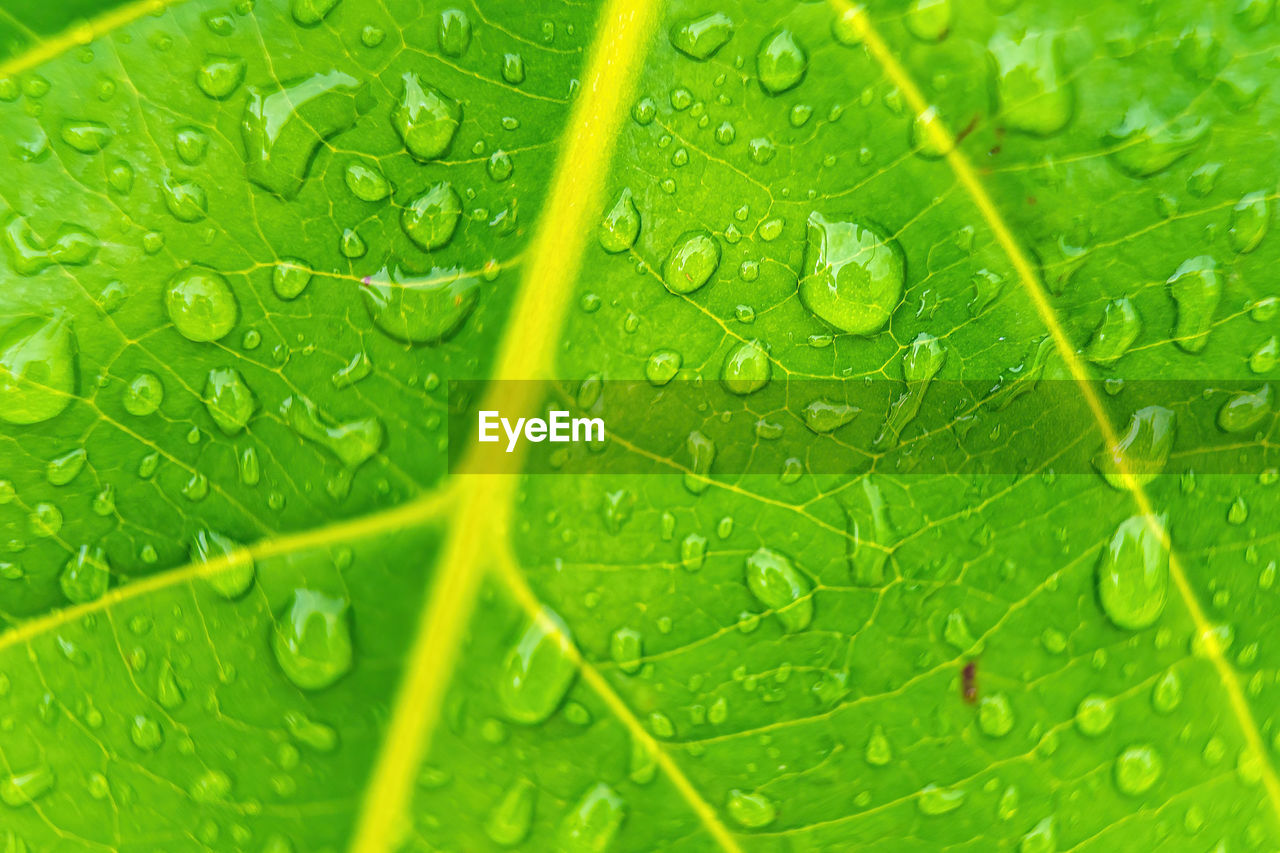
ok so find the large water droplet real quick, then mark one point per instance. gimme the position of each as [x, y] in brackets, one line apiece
[366, 182]
[453, 33]
[591, 825]
[87, 137]
[621, 225]
[426, 118]
[746, 368]
[20, 789]
[1042, 838]
[219, 76]
[700, 38]
[1250, 219]
[776, 584]
[228, 399]
[511, 818]
[309, 13]
[1196, 288]
[752, 810]
[853, 275]
[691, 262]
[353, 442]
[1138, 768]
[934, 800]
[283, 129]
[312, 639]
[37, 370]
[200, 304]
[1146, 142]
[1115, 333]
[824, 416]
[1245, 409]
[431, 218]
[289, 277]
[1142, 452]
[1265, 357]
[1094, 715]
[780, 62]
[143, 395]
[538, 670]
[1133, 573]
[995, 715]
[63, 469]
[662, 366]
[929, 20]
[86, 575]
[420, 310]
[878, 752]
[71, 245]
[1033, 96]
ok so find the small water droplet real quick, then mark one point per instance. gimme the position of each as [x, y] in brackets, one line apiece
[929, 20]
[309, 13]
[878, 752]
[1142, 452]
[620, 226]
[87, 137]
[1115, 333]
[20, 789]
[220, 76]
[453, 33]
[750, 810]
[86, 575]
[420, 310]
[431, 218]
[510, 820]
[693, 259]
[781, 62]
[426, 118]
[37, 370]
[200, 304]
[1250, 219]
[1034, 98]
[700, 38]
[935, 800]
[65, 468]
[593, 822]
[289, 277]
[1137, 769]
[228, 399]
[746, 368]
[995, 715]
[1146, 142]
[366, 182]
[234, 572]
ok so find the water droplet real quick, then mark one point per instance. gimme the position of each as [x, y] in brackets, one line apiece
[626, 647]
[86, 575]
[284, 128]
[1043, 838]
[353, 442]
[228, 399]
[853, 275]
[825, 416]
[65, 468]
[1245, 409]
[538, 670]
[191, 144]
[693, 259]
[1142, 452]
[200, 304]
[700, 38]
[309, 13]
[693, 552]
[37, 370]
[1167, 694]
[934, 800]
[420, 310]
[1034, 98]
[878, 752]
[780, 62]
[662, 366]
[312, 639]
[591, 825]
[1250, 219]
[289, 277]
[776, 584]
[71, 245]
[1115, 333]
[20, 789]
[1138, 768]
[45, 520]
[621, 225]
[211, 786]
[499, 166]
[220, 76]
[431, 218]
[316, 735]
[1133, 573]
[145, 733]
[511, 818]
[87, 137]
[1196, 287]
[746, 368]
[426, 118]
[454, 32]
[995, 715]
[513, 68]
[929, 20]
[750, 810]
[1264, 358]
[234, 572]
[366, 182]
[186, 200]
[1146, 143]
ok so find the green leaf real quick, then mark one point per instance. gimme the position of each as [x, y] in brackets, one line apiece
[256, 256]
